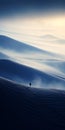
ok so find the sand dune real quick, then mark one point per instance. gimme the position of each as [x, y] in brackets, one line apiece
[39, 106]
[13, 45]
[23, 63]
[24, 74]
[28, 108]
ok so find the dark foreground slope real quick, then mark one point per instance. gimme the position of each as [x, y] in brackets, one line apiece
[25, 108]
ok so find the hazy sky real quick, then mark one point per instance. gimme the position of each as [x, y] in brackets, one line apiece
[9, 7]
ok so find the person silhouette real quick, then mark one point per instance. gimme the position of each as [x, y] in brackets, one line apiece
[30, 84]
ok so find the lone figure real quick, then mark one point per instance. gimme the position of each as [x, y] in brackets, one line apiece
[30, 84]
